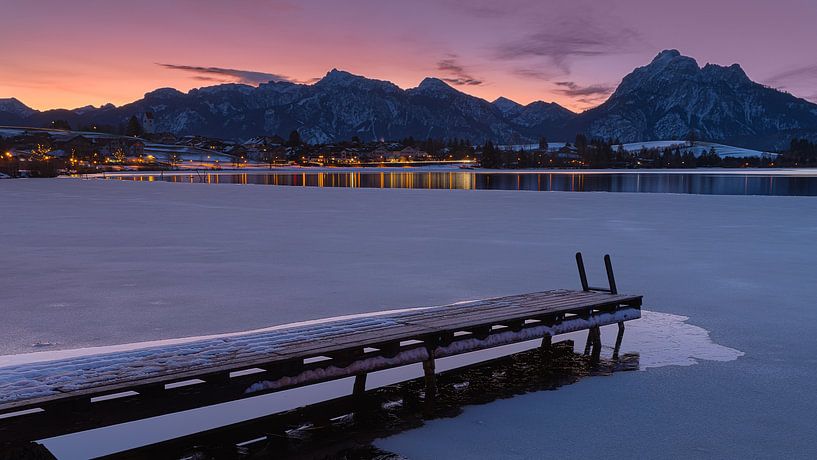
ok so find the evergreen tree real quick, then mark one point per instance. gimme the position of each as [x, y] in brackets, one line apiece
[134, 128]
[692, 137]
[60, 124]
[688, 159]
[801, 152]
[581, 143]
[490, 156]
[294, 139]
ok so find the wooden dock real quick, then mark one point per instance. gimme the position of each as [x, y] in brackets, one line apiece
[42, 400]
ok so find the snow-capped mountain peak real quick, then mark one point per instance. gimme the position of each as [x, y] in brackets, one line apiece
[225, 88]
[507, 106]
[84, 109]
[341, 79]
[432, 85]
[14, 106]
[668, 98]
[667, 55]
[163, 93]
[338, 77]
[733, 73]
[672, 96]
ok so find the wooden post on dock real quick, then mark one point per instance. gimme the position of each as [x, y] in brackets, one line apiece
[619, 337]
[589, 342]
[582, 273]
[430, 375]
[593, 343]
[359, 388]
[596, 334]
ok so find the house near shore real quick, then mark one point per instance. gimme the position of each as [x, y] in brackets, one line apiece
[81, 145]
[394, 153]
[412, 153]
[161, 138]
[78, 145]
[238, 151]
[264, 148]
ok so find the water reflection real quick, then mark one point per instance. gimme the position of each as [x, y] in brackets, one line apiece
[705, 184]
[346, 426]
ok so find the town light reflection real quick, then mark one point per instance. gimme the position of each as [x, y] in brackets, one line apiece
[709, 184]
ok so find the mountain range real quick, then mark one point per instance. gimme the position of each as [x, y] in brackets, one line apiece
[665, 99]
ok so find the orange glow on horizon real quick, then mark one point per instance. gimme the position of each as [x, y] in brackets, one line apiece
[120, 88]
[71, 54]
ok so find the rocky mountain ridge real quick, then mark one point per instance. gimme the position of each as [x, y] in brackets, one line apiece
[666, 99]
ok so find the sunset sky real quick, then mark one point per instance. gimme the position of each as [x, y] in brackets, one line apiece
[72, 53]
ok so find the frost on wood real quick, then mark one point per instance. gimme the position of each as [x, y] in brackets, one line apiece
[42, 379]
[460, 346]
[375, 363]
[537, 332]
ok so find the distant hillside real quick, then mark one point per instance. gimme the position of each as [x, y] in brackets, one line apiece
[666, 99]
[337, 107]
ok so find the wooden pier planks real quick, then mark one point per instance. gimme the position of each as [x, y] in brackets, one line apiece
[72, 383]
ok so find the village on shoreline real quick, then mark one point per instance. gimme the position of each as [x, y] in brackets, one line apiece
[49, 152]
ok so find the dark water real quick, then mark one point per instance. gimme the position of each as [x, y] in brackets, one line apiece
[345, 428]
[704, 184]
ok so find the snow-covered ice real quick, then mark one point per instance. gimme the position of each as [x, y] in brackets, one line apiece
[99, 263]
[664, 339]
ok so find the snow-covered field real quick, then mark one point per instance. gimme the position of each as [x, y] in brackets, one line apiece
[724, 151]
[96, 263]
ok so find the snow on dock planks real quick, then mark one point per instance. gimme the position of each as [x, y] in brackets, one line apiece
[47, 399]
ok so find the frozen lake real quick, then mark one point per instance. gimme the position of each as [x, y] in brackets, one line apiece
[99, 263]
[708, 182]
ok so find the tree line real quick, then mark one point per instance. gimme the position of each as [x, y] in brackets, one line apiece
[801, 152]
[610, 153]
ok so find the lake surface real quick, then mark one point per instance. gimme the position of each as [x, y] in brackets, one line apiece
[134, 262]
[754, 183]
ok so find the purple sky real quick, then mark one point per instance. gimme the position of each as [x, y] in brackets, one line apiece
[73, 53]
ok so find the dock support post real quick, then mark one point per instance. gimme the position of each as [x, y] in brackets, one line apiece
[360, 385]
[547, 341]
[593, 345]
[619, 337]
[430, 375]
[596, 353]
